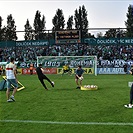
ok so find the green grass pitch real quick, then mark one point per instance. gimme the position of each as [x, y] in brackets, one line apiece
[65, 109]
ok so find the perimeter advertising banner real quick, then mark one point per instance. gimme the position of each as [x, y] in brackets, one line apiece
[56, 70]
[110, 41]
[46, 71]
[86, 70]
[110, 71]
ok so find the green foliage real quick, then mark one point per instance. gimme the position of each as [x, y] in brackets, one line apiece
[64, 103]
[39, 26]
[81, 21]
[11, 29]
[8, 33]
[28, 31]
[70, 23]
[115, 33]
[129, 22]
[2, 30]
[0, 22]
[58, 20]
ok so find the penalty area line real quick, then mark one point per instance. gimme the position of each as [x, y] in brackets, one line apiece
[68, 123]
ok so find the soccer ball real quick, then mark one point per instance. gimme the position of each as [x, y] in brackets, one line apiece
[92, 86]
[85, 86]
[88, 86]
[81, 78]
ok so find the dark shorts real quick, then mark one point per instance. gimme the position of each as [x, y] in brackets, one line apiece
[65, 71]
[68, 70]
[77, 77]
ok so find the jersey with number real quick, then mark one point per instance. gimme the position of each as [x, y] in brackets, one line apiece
[10, 68]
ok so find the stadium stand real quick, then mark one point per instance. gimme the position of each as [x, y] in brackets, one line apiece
[106, 52]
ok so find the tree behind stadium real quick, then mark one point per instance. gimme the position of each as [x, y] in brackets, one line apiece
[81, 21]
[28, 31]
[10, 29]
[58, 20]
[129, 22]
[39, 26]
[2, 30]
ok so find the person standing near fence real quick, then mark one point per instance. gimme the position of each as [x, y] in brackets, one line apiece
[31, 68]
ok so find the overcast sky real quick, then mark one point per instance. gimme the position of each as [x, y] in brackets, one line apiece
[101, 13]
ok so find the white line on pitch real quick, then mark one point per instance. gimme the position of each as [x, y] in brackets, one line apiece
[68, 123]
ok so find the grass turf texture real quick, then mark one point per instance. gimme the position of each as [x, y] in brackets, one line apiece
[65, 103]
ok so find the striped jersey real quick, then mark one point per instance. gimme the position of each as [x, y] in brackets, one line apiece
[10, 68]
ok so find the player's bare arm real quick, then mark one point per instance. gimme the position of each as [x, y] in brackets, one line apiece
[42, 70]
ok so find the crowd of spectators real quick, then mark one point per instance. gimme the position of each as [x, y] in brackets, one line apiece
[103, 52]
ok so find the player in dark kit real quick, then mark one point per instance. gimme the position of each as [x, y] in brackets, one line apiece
[130, 105]
[41, 76]
[78, 73]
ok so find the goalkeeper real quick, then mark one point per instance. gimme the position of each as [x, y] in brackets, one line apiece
[79, 76]
[130, 105]
[66, 69]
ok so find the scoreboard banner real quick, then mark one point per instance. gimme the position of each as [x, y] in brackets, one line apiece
[67, 36]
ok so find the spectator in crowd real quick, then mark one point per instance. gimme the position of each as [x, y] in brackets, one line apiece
[31, 68]
[1, 51]
[125, 68]
[1, 70]
[104, 52]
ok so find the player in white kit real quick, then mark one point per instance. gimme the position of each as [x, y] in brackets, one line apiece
[11, 80]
